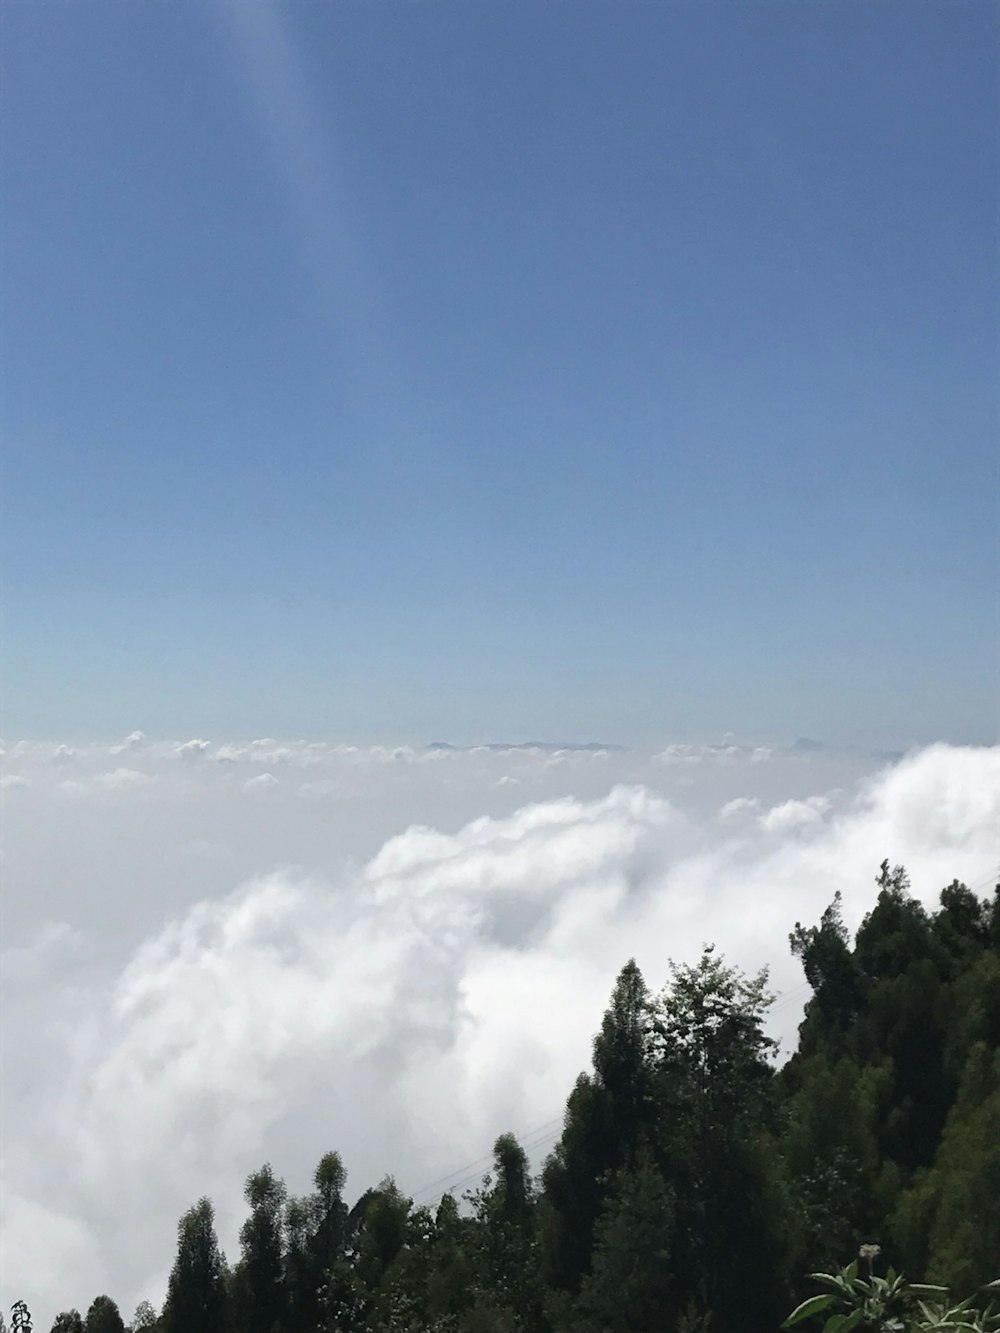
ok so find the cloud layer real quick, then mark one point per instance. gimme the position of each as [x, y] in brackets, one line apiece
[404, 1006]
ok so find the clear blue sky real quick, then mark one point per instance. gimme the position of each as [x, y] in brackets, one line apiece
[486, 370]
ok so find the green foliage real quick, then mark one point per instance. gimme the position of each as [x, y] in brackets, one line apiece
[144, 1318]
[890, 1304]
[69, 1321]
[607, 1115]
[260, 1287]
[714, 1088]
[830, 968]
[631, 1286]
[197, 1298]
[103, 1317]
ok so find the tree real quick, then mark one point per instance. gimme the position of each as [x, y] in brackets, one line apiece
[715, 1090]
[505, 1213]
[104, 1317]
[450, 1265]
[383, 1231]
[69, 1321]
[260, 1283]
[196, 1292]
[315, 1232]
[831, 1156]
[144, 1317]
[832, 973]
[621, 1057]
[629, 1288]
[952, 1212]
[606, 1116]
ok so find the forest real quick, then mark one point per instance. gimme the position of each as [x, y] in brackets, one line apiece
[696, 1184]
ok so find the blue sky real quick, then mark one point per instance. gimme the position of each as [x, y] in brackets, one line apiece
[494, 370]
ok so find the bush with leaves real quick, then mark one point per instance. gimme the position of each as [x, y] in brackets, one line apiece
[890, 1304]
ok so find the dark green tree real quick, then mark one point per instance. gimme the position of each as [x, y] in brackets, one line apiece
[383, 1232]
[315, 1239]
[831, 971]
[103, 1317]
[508, 1250]
[260, 1279]
[450, 1266]
[606, 1117]
[950, 1217]
[197, 1298]
[716, 1093]
[630, 1287]
[69, 1321]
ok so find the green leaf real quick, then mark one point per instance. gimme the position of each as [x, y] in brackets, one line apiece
[812, 1306]
[828, 1280]
[843, 1323]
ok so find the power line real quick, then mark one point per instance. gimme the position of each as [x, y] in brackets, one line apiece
[475, 1167]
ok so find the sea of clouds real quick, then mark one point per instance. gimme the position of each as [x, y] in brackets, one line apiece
[216, 955]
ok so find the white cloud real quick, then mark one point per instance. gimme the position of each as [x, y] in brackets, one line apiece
[135, 740]
[740, 805]
[192, 749]
[408, 1008]
[117, 780]
[12, 781]
[261, 782]
[791, 815]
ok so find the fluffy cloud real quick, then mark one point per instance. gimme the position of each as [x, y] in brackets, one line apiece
[117, 780]
[192, 749]
[791, 815]
[135, 740]
[408, 1009]
[740, 805]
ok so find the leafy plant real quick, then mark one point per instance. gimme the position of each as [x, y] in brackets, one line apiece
[890, 1304]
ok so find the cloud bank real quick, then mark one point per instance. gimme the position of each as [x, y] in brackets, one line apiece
[403, 1006]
